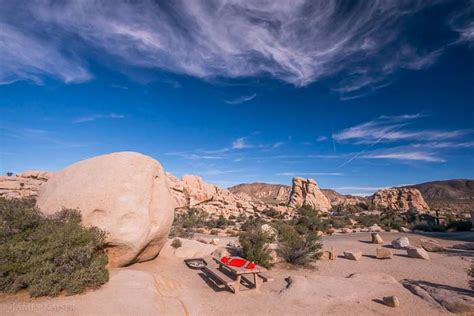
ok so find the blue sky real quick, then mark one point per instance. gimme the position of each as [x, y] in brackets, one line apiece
[357, 96]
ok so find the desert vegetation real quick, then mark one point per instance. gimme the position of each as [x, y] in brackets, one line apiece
[48, 255]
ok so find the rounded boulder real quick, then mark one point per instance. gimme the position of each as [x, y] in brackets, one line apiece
[126, 194]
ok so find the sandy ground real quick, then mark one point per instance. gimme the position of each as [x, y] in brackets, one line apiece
[165, 286]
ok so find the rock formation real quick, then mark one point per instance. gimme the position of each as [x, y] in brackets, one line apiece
[22, 185]
[193, 191]
[126, 194]
[400, 199]
[272, 194]
[305, 192]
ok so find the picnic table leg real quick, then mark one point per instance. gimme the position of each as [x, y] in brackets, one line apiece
[237, 285]
[256, 281]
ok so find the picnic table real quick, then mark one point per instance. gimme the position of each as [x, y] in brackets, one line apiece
[232, 276]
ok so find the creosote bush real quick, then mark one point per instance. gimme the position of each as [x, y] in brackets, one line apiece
[48, 255]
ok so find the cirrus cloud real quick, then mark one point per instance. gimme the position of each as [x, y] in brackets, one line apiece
[298, 42]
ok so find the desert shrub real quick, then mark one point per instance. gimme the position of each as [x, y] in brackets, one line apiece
[308, 221]
[254, 244]
[214, 232]
[9, 174]
[272, 213]
[368, 220]
[176, 243]
[339, 222]
[391, 219]
[429, 227]
[178, 231]
[460, 226]
[297, 249]
[48, 255]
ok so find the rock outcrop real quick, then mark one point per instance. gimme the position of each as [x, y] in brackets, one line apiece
[193, 191]
[126, 194]
[305, 192]
[400, 199]
[272, 194]
[23, 185]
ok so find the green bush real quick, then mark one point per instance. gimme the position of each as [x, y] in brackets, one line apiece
[297, 249]
[48, 255]
[254, 244]
[460, 226]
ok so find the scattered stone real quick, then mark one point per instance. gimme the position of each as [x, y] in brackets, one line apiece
[376, 239]
[383, 253]
[214, 241]
[431, 245]
[418, 253]
[221, 252]
[346, 230]
[375, 228]
[203, 240]
[400, 243]
[391, 301]
[353, 254]
[405, 230]
[329, 254]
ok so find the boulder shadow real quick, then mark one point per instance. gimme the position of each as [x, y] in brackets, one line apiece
[389, 246]
[402, 255]
[366, 241]
[376, 300]
[370, 256]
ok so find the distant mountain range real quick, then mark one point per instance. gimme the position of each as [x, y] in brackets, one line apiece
[455, 193]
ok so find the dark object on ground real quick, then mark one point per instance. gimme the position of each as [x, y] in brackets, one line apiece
[195, 263]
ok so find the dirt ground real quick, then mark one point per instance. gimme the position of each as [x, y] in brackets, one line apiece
[165, 286]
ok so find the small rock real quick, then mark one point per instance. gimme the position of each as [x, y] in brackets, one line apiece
[383, 253]
[214, 241]
[405, 230]
[401, 243]
[353, 254]
[431, 245]
[328, 254]
[203, 240]
[418, 253]
[375, 228]
[221, 252]
[391, 301]
[346, 230]
[376, 239]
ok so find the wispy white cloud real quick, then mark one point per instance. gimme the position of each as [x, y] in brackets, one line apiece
[321, 138]
[95, 117]
[413, 155]
[309, 174]
[241, 99]
[298, 42]
[240, 143]
[27, 57]
[393, 128]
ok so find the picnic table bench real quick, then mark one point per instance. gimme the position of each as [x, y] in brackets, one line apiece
[232, 276]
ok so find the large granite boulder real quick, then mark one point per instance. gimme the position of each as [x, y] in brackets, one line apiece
[126, 194]
[306, 192]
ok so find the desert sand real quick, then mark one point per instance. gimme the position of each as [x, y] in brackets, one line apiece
[165, 286]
